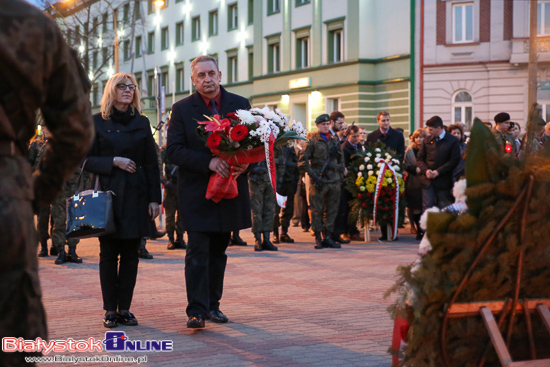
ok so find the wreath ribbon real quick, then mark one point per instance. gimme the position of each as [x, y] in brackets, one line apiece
[395, 212]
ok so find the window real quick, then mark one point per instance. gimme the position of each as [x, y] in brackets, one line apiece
[302, 2]
[126, 13]
[137, 9]
[179, 79]
[105, 21]
[232, 17]
[213, 23]
[105, 54]
[196, 28]
[333, 104]
[126, 50]
[250, 11]
[335, 46]
[164, 38]
[138, 80]
[150, 83]
[77, 35]
[95, 94]
[463, 23]
[250, 63]
[232, 67]
[94, 60]
[273, 61]
[138, 46]
[302, 53]
[151, 43]
[462, 108]
[273, 7]
[95, 24]
[164, 81]
[179, 33]
[543, 18]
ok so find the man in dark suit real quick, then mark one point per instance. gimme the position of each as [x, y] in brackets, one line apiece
[208, 224]
[437, 158]
[393, 139]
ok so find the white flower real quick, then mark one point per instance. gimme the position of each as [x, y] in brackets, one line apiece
[246, 117]
[359, 174]
[369, 166]
[377, 159]
[395, 161]
[361, 167]
[399, 175]
[371, 173]
[369, 154]
[379, 165]
[377, 150]
[367, 159]
[396, 168]
[378, 155]
[362, 188]
[389, 180]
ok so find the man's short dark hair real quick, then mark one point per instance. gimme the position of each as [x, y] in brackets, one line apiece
[204, 58]
[501, 117]
[352, 129]
[382, 113]
[335, 115]
[435, 121]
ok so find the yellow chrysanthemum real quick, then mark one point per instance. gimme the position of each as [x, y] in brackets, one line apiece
[371, 180]
[388, 173]
[370, 188]
[360, 181]
[384, 183]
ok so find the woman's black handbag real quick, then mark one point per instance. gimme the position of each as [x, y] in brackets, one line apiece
[90, 212]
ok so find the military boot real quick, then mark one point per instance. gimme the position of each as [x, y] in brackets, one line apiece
[276, 235]
[285, 237]
[142, 252]
[236, 240]
[171, 245]
[53, 250]
[73, 257]
[329, 242]
[318, 241]
[257, 241]
[61, 257]
[338, 239]
[267, 244]
[43, 249]
[181, 241]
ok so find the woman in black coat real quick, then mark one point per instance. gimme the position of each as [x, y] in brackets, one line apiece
[124, 157]
[413, 188]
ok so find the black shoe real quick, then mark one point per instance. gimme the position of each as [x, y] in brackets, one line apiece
[305, 229]
[195, 322]
[158, 235]
[276, 239]
[127, 318]
[73, 257]
[217, 316]
[144, 254]
[337, 238]
[419, 236]
[236, 240]
[176, 245]
[286, 238]
[110, 320]
[266, 244]
[328, 242]
[257, 241]
[61, 258]
[53, 251]
[43, 249]
[382, 238]
[318, 241]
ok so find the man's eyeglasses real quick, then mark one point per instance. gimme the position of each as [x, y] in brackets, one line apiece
[124, 86]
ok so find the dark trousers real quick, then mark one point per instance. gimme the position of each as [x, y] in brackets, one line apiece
[205, 263]
[434, 197]
[304, 218]
[118, 282]
[342, 225]
[284, 215]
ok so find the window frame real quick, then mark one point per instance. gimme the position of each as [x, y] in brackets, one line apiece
[179, 33]
[454, 7]
[180, 78]
[463, 106]
[164, 38]
[300, 54]
[196, 28]
[271, 9]
[213, 23]
[151, 43]
[232, 16]
[302, 2]
[138, 47]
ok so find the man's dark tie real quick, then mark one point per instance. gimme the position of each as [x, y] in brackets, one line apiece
[213, 105]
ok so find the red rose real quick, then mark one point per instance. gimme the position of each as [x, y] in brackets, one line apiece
[364, 205]
[359, 196]
[238, 133]
[213, 140]
[232, 115]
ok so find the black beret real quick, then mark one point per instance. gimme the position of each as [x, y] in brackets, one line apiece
[501, 117]
[322, 118]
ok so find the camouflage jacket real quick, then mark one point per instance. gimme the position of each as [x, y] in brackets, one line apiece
[39, 71]
[317, 152]
[504, 139]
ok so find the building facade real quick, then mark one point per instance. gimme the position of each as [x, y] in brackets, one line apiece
[473, 59]
[305, 57]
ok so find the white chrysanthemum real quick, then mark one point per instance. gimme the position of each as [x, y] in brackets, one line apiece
[362, 188]
[379, 165]
[270, 115]
[361, 167]
[257, 111]
[367, 159]
[396, 168]
[246, 117]
[369, 154]
[377, 159]
[259, 119]
[377, 150]
[359, 174]
[399, 175]
[389, 180]
[371, 173]
[369, 166]
[378, 155]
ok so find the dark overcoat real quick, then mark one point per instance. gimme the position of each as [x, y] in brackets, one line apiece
[442, 156]
[393, 140]
[186, 150]
[133, 191]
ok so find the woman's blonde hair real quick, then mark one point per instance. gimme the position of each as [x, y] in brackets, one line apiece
[417, 133]
[109, 95]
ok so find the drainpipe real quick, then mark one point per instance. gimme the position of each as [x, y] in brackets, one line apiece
[421, 81]
[412, 68]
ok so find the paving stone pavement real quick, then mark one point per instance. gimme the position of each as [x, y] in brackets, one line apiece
[295, 307]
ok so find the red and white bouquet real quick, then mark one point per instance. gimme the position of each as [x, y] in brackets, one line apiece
[246, 136]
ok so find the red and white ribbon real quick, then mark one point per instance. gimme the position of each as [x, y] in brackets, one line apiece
[270, 160]
[395, 213]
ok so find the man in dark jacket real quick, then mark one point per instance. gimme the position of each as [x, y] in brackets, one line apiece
[208, 224]
[37, 71]
[393, 139]
[437, 158]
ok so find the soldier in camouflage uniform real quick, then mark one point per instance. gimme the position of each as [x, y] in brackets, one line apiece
[500, 131]
[170, 202]
[288, 176]
[323, 161]
[262, 205]
[37, 71]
